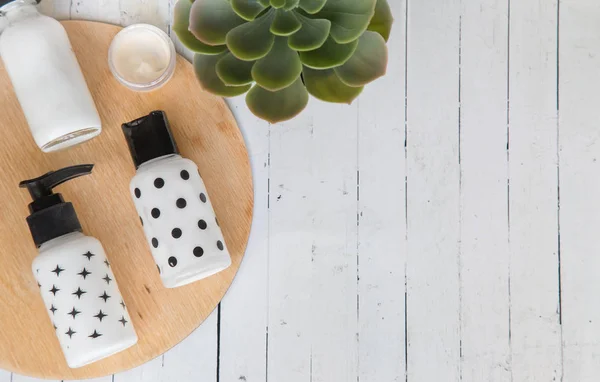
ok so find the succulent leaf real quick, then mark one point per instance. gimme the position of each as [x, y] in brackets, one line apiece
[368, 62]
[312, 6]
[329, 55]
[235, 72]
[252, 40]
[280, 105]
[277, 3]
[266, 3]
[327, 86]
[181, 26]
[291, 4]
[205, 67]
[382, 19]
[349, 18]
[285, 23]
[278, 69]
[247, 9]
[211, 20]
[312, 34]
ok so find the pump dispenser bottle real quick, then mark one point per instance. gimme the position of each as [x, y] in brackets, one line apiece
[75, 278]
[171, 199]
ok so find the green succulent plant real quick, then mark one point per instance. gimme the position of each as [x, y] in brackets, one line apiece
[280, 51]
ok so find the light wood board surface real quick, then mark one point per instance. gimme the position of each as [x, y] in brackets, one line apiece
[206, 132]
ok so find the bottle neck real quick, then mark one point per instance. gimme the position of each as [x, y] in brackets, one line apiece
[146, 165]
[58, 241]
[16, 12]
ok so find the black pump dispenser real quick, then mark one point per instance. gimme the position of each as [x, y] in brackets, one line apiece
[51, 216]
[149, 137]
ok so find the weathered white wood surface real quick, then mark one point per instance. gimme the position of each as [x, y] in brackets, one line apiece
[442, 228]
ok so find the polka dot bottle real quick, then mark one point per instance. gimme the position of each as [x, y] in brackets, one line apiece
[82, 299]
[179, 221]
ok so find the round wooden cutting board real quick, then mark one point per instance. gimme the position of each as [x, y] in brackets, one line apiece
[205, 131]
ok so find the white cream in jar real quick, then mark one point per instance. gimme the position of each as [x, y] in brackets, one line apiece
[142, 57]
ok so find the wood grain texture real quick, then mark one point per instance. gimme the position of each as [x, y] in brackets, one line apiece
[484, 215]
[381, 251]
[536, 350]
[206, 133]
[579, 143]
[433, 192]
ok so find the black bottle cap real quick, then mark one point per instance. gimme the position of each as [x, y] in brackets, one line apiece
[149, 137]
[50, 216]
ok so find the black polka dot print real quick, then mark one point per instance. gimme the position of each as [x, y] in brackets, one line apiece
[138, 193]
[176, 233]
[141, 220]
[178, 220]
[172, 261]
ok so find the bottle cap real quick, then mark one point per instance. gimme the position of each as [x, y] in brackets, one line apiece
[149, 137]
[50, 216]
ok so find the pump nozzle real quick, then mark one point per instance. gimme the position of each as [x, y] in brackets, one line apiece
[43, 185]
[50, 216]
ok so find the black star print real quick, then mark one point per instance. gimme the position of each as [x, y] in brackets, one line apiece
[100, 315]
[79, 292]
[95, 335]
[53, 309]
[123, 320]
[85, 273]
[89, 255]
[104, 296]
[107, 279]
[70, 332]
[74, 312]
[107, 263]
[122, 304]
[54, 290]
[57, 270]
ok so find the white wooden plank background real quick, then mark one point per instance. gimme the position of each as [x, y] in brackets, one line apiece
[442, 228]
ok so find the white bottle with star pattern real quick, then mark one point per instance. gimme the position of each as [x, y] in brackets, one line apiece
[75, 278]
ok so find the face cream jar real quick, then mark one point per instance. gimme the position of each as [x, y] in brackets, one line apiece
[142, 57]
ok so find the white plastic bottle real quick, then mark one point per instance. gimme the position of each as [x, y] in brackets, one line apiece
[171, 199]
[75, 278]
[46, 77]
